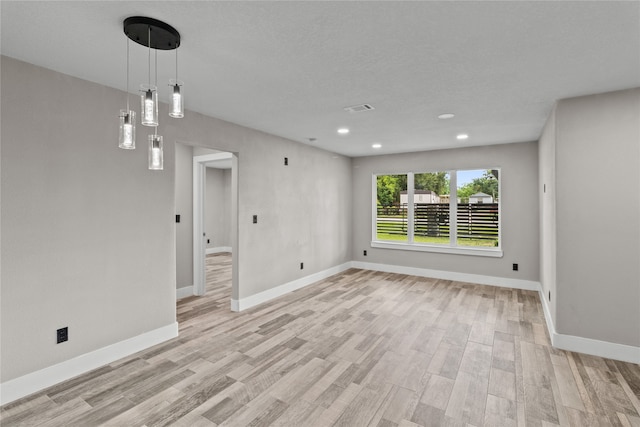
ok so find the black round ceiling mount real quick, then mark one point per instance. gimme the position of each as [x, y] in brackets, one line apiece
[163, 35]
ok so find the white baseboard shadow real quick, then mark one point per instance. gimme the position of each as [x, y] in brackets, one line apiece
[218, 250]
[479, 279]
[269, 294]
[609, 350]
[39, 380]
[186, 291]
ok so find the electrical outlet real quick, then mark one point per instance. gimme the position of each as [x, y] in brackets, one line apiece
[365, 252]
[286, 161]
[208, 241]
[302, 266]
[515, 267]
[177, 218]
[255, 219]
[62, 335]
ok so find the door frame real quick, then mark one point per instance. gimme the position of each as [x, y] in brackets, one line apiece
[199, 245]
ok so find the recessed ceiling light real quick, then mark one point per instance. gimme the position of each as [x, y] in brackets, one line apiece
[462, 136]
[446, 116]
[376, 146]
[343, 131]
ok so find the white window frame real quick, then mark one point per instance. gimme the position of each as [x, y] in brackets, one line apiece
[452, 247]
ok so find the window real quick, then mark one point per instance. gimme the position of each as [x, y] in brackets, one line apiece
[391, 208]
[455, 211]
[477, 208]
[430, 213]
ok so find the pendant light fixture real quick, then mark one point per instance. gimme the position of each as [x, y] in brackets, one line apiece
[177, 103]
[149, 94]
[156, 161]
[127, 135]
[154, 34]
[156, 156]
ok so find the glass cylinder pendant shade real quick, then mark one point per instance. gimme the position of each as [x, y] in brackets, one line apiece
[127, 138]
[155, 152]
[149, 105]
[177, 100]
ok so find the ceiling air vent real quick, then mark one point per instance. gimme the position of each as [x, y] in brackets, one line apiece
[358, 108]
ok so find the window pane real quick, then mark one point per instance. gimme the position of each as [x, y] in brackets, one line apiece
[431, 208]
[391, 218]
[477, 207]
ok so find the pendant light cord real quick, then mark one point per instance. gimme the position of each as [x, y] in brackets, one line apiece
[156, 84]
[128, 75]
[176, 65]
[155, 128]
[149, 44]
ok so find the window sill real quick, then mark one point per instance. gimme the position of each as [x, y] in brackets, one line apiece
[487, 252]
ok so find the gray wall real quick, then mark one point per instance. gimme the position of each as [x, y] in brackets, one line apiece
[88, 237]
[519, 204]
[184, 207]
[598, 245]
[304, 213]
[217, 210]
[88, 233]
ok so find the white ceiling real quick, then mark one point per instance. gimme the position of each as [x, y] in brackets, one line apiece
[290, 68]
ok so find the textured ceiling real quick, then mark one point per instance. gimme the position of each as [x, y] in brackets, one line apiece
[290, 68]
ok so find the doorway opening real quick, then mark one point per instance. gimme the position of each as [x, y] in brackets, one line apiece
[222, 161]
[192, 230]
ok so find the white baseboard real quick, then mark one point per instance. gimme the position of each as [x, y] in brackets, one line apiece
[183, 292]
[269, 294]
[218, 250]
[23, 386]
[609, 350]
[529, 285]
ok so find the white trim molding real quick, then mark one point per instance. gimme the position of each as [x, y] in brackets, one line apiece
[253, 300]
[185, 291]
[218, 250]
[505, 282]
[609, 350]
[443, 249]
[30, 383]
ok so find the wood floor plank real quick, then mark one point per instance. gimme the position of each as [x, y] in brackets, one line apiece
[402, 404]
[358, 348]
[500, 412]
[363, 407]
[329, 416]
[326, 381]
[425, 415]
[138, 415]
[56, 415]
[502, 384]
[437, 392]
[568, 389]
[298, 414]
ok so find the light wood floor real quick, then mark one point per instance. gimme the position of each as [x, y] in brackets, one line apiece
[358, 349]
